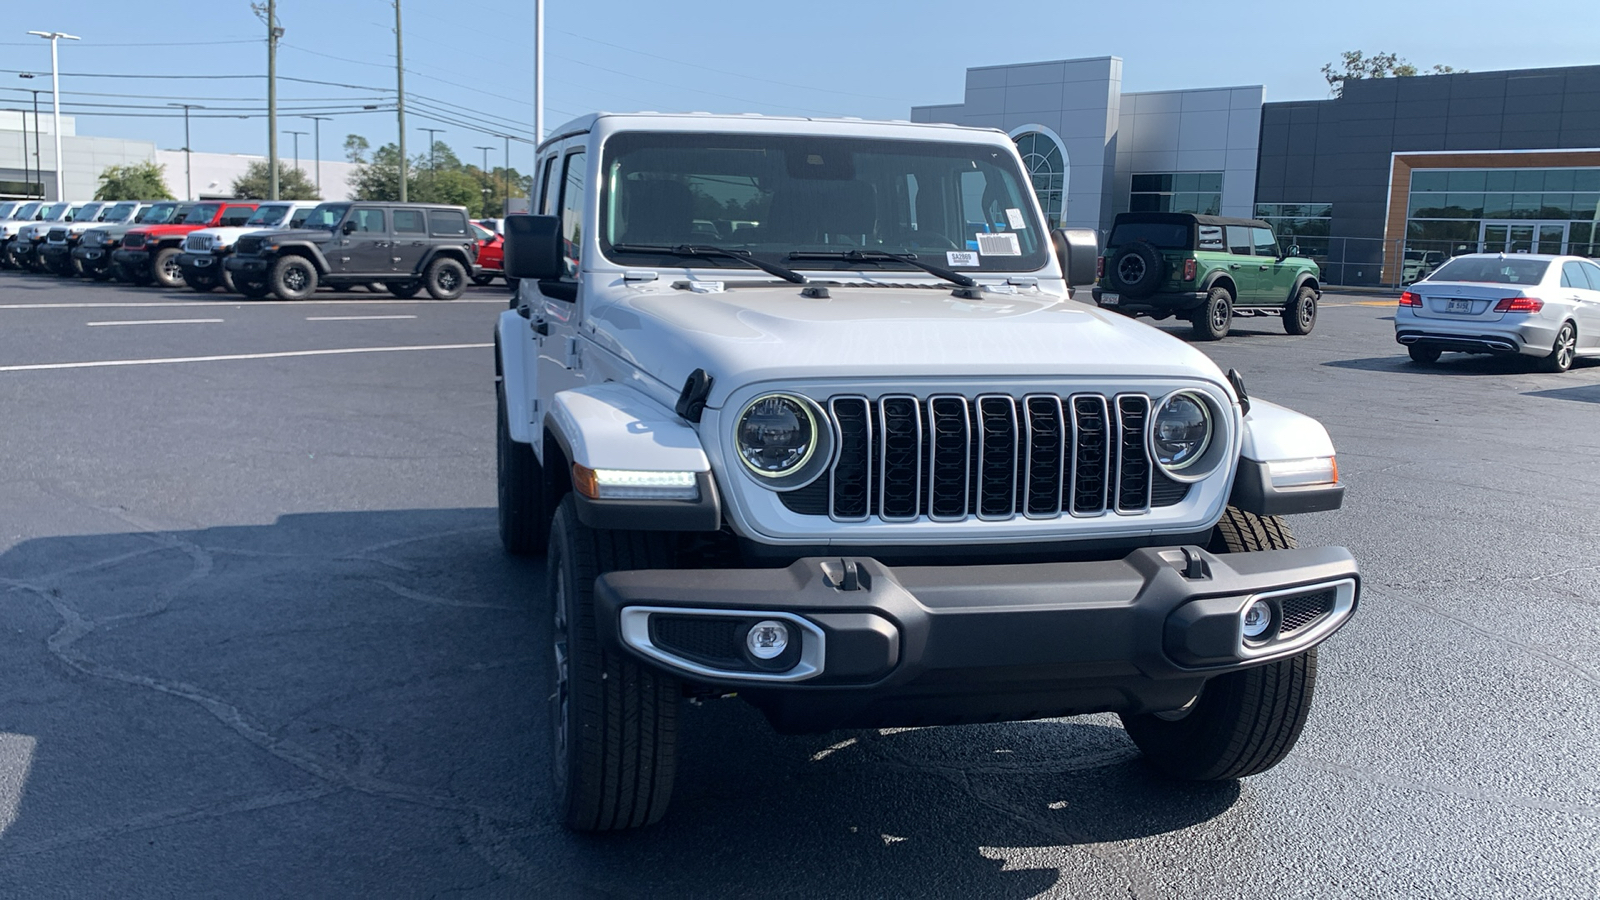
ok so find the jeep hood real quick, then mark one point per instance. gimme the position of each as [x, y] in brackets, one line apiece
[758, 334]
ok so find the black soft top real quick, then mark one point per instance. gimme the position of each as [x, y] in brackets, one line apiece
[1172, 218]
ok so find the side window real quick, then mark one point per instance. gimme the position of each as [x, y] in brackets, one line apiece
[447, 223]
[409, 221]
[297, 219]
[1572, 276]
[368, 221]
[234, 216]
[572, 206]
[1593, 271]
[1266, 244]
[1239, 240]
[547, 196]
[1211, 238]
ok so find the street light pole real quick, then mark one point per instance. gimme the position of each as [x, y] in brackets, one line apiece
[484, 176]
[433, 170]
[188, 170]
[400, 93]
[296, 147]
[317, 139]
[55, 93]
[506, 172]
[38, 164]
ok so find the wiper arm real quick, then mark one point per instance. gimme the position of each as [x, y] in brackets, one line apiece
[885, 256]
[693, 250]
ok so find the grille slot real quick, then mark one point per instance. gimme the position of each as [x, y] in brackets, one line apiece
[57, 236]
[949, 458]
[248, 246]
[134, 241]
[1303, 609]
[851, 478]
[1047, 470]
[1133, 459]
[1091, 464]
[900, 475]
[997, 457]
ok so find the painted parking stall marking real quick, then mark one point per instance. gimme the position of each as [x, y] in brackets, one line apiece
[155, 322]
[353, 318]
[107, 363]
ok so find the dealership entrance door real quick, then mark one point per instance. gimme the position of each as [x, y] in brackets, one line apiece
[1522, 236]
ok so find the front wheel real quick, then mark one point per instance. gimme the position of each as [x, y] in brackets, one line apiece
[293, 278]
[1212, 320]
[165, 270]
[445, 279]
[1244, 722]
[1300, 316]
[254, 290]
[613, 724]
[203, 284]
[1565, 349]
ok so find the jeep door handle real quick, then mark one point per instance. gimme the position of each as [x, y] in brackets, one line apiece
[540, 326]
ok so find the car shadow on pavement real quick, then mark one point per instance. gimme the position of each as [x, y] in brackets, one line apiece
[1587, 393]
[235, 675]
[1449, 364]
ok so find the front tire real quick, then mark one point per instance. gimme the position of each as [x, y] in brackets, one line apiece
[524, 521]
[1300, 316]
[1213, 319]
[614, 724]
[165, 270]
[293, 278]
[1244, 722]
[445, 279]
[203, 284]
[1563, 352]
[253, 290]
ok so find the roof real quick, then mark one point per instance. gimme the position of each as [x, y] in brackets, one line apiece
[705, 121]
[1185, 218]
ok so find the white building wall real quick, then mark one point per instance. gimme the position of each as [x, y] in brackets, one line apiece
[213, 174]
[1212, 130]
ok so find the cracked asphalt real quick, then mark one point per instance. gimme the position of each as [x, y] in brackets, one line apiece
[257, 639]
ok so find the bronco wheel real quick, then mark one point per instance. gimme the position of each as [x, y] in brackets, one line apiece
[1423, 354]
[613, 724]
[165, 270]
[445, 279]
[1300, 316]
[1211, 321]
[293, 278]
[405, 290]
[1244, 722]
[1561, 355]
[524, 521]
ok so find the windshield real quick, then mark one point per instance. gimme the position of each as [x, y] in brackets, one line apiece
[1162, 235]
[87, 212]
[25, 211]
[53, 212]
[268, 216]
[1491, 270]
[199, 214]
[7, 208]
[960, 205]
[326, 216]
[160, 214]
[119, 212]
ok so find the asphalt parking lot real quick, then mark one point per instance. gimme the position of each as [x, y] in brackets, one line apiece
[257, 638]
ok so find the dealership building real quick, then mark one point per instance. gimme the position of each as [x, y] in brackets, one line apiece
[1378, 184]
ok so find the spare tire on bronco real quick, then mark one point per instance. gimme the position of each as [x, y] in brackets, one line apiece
[1136, 270]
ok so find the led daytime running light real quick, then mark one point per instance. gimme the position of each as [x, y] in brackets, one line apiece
[631, 484]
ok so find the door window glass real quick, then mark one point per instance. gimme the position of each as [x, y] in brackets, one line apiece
[1265, 243]
[572, 197]
[368, 221]
[235, 216]
[409, 221]
[1239, 240]
[1211, 238]
[447, 223]
[547, 196]
[1592, 273]
[1572, 276]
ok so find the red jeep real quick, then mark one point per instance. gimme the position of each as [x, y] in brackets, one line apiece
[491, 254]
[150, 253]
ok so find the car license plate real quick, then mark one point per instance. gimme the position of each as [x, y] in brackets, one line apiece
[1110, 299]
[1458, 306]
[202, 262]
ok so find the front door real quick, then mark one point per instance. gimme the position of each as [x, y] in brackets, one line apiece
[1522, 237]
[1277, 274]
[364, 250]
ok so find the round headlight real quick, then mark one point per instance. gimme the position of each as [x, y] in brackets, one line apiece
[777, 435]
[1182, 431]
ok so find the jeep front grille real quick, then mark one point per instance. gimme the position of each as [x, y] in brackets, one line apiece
[57, 236]
[134, 240]
[197, 243]
[248, 246]
[949, 458]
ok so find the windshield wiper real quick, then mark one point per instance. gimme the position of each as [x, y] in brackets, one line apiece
[693, 250]
[884, 256]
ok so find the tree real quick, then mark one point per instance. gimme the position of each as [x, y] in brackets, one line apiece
[438, 176]
[135, 181]
[1355, 64]
[292, 183]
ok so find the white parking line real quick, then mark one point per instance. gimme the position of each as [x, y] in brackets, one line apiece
[352, 318]
[102, 363]
[154, 322]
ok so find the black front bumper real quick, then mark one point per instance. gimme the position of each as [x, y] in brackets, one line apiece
[132, 260]
[55, 254]
[94, 259]
[205, 264]
[919, 645]
[248, 266]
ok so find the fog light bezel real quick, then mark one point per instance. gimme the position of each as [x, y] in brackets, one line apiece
[634, 633]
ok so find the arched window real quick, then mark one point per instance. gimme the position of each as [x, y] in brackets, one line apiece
[1046, 161]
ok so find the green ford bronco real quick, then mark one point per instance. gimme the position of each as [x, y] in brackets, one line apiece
[1206, 269]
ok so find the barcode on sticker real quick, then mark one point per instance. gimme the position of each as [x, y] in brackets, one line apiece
[961, 258]
[1002, 244]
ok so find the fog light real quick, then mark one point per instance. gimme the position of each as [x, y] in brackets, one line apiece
[767, 639]
[1257, 618]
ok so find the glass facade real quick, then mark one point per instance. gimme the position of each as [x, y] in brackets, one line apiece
[1192, 192]
[1046, 167]
[1455, 211]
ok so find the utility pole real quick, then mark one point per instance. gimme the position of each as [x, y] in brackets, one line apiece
[538, 74]
[296, 147]
[22, 114]
[400, 88]
[485, 177]
[507, 178]
[55, 94]
[188, 176]
[433, 167]
[269, 13]
[317, 139]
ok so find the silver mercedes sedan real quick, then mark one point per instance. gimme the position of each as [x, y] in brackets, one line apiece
[1532, 304]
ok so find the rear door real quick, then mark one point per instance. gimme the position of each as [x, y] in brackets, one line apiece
[410, 239]
[1277, 275]
[1243, 267]
[1588, 312]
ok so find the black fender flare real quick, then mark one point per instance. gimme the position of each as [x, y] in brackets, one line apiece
[1217, 275]
[1304, 279]
[306, 249]
[451, 252]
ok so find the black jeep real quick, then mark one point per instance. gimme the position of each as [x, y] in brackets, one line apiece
[404, 246]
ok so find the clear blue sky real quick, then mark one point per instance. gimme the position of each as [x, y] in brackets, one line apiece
[871, 58]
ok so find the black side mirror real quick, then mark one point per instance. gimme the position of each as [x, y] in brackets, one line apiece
[533, 248]
[1078, 249]
[349, 228]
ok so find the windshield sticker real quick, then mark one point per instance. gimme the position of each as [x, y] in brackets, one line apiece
[1014, 216]
[1001, 244]
[961, 258]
